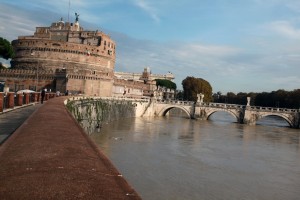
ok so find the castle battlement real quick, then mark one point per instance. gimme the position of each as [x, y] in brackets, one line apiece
[12, 72]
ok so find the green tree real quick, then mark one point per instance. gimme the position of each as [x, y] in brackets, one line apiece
[294, 99]
[193, 86]
[231, 98]
[179, 95]
[6, 49]
[166, 83]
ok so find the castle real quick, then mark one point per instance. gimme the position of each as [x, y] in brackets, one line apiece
[65, 57]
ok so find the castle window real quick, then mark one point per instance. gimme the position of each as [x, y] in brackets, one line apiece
[104, 42]
[45, 43]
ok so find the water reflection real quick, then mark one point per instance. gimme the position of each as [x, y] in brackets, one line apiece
[179, 158]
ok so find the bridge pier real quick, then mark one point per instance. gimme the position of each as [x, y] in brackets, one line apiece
[296, 120]
[200, 113]
[249, 117]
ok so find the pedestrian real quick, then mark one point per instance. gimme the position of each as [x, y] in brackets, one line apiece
[43, 95]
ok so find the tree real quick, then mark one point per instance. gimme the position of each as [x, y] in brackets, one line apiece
[193, 86]
[166, 83]
[217, 97]
[279, 98]
[231, 98]
[6, 49]
[294, 99]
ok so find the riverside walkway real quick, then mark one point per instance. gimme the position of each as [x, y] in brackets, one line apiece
[50, 157]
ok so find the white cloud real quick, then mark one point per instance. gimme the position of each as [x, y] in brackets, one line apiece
[285, 28]
[144, 5]
[227, 68]
[13, 25]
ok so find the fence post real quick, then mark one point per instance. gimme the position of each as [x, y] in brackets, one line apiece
[35, 97]
[10, 100]
[19, 99]
[27, 95]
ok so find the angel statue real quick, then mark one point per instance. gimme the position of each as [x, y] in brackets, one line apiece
[77, 17]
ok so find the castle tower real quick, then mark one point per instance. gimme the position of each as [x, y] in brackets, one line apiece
[87, 56]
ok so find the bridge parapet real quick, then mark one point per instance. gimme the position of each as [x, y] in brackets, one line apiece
[177, 102]
[271, 109]
[220, 105]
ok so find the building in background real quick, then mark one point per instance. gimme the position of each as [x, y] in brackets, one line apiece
[65, 57]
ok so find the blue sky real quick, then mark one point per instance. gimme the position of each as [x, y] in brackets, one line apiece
[236, 45]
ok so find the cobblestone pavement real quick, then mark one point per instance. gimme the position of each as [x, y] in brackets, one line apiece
[10, 121]
[50, 157]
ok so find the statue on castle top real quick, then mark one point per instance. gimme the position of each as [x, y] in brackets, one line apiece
[77, 17]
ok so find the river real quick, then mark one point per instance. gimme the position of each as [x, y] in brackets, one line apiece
[178, 158]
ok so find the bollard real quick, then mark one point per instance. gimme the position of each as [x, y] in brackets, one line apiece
[19, 99]
[27, 95]
[35, 97]
[10, 100]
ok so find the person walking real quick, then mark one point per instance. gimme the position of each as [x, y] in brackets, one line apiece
[43, 93]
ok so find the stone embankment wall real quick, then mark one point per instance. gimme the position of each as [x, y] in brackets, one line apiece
[91, 113]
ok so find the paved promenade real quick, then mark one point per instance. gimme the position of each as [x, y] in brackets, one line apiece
[50, 157]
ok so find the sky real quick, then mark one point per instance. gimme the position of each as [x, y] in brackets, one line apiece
[235, 45]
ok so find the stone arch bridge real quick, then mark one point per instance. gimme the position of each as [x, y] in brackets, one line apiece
[242, 113]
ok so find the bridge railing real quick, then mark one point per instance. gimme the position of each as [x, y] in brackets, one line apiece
[272, 109]
[177, 102]
[221, 105]
[117, 98]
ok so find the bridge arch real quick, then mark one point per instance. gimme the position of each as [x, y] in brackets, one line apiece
[166, 109]
[235, 115]
[290, 122]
